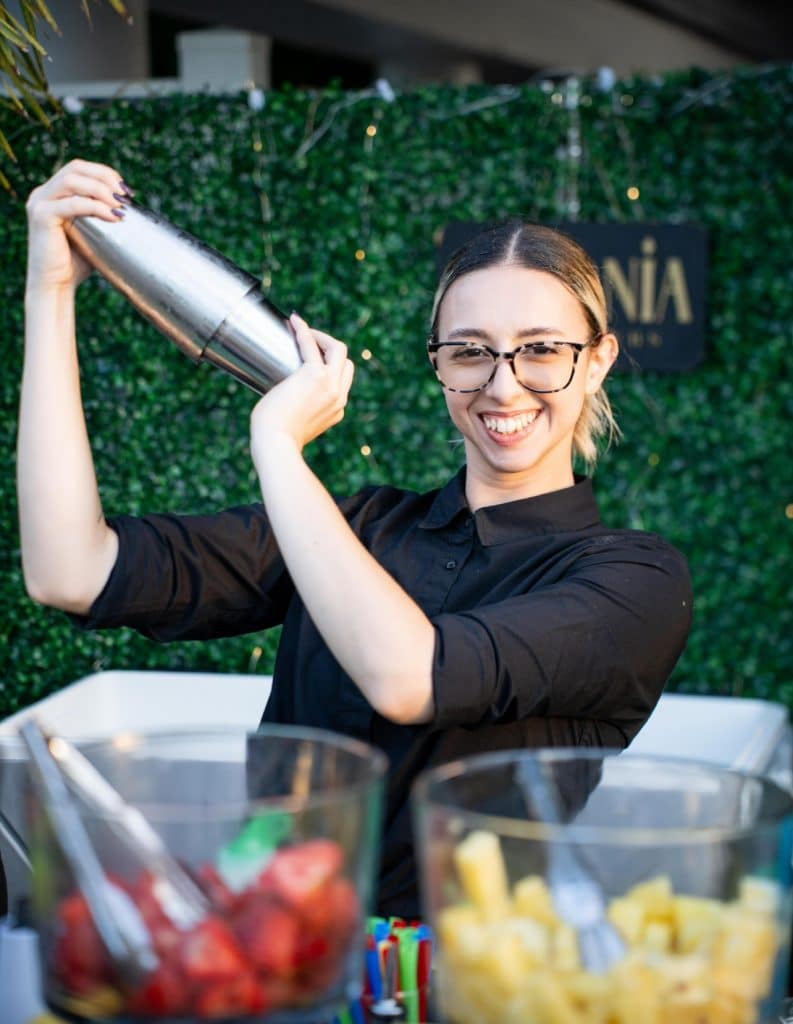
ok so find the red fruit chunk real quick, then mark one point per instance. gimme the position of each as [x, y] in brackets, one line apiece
[81, 960]
[345, 909]
[269, 933]
[164, 992]
[241, 995]
[297, 874]
[210, 952]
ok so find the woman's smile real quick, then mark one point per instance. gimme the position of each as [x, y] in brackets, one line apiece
[509, 428]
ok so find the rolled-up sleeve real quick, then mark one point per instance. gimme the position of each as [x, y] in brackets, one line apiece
[598, 644]
[193, 577]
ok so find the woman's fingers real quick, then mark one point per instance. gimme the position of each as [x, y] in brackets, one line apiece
[77, 206]
[78, 189]
[75, 184]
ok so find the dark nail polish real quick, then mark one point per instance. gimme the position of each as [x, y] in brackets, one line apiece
[126, 189]
[120, 198]
[118, 211]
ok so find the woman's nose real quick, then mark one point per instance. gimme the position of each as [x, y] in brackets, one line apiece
[504, 384]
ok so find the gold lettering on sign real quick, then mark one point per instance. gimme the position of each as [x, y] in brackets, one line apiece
[624, 289]
[642, 298]
[673, 286]
[647, 293]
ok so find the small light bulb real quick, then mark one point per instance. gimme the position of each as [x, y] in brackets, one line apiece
[633, 192]
[365, 450]
[654, 458]
[257, 145]
[366, 354]
[360, 254]
[371, 130]
[789, 511]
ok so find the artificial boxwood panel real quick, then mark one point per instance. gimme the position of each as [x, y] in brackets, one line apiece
[337, 200]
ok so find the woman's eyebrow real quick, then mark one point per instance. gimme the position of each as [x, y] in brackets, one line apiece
[483, 335]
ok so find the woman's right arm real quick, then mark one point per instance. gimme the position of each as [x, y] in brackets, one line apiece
[68, 549]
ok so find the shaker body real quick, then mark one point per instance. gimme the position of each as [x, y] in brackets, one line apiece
[193, 294]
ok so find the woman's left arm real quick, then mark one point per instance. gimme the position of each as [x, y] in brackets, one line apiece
[375, 630]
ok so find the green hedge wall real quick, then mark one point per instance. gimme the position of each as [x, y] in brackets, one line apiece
[299, 190]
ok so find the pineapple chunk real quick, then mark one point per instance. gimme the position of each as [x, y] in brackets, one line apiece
[697, 921]
[627, 916]
[657, 937]
[532, 898]
[483, 874]
[564, 949]
[759, 894]
[655, 897]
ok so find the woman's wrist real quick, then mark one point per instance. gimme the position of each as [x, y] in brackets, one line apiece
[275, 451]
[37, 292]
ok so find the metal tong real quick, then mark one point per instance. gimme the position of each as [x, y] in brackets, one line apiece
[577, 897]
[117, 919]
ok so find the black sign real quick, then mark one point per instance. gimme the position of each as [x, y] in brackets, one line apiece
[654, 276]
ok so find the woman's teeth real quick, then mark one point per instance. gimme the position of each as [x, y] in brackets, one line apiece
[512, 424]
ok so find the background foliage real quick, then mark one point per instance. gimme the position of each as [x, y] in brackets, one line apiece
[302, 188]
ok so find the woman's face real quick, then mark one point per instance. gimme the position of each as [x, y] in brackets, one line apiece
[518, 443]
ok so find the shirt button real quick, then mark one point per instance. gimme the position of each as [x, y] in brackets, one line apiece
[451, 564]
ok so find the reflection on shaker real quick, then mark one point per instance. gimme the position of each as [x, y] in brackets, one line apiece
[205, 304]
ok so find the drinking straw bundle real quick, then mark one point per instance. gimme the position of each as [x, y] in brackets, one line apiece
[398, 964]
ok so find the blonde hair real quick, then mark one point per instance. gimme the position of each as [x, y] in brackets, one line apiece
[537, 247]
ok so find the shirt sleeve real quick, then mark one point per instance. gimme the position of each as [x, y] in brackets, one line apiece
[598, 644]
[194, 577]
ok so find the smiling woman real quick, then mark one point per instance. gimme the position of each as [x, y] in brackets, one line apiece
[494, 612]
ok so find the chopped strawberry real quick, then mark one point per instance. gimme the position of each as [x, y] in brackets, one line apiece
[299, 873]
[164, 992]
[269, 933]
[210, 952]
[345, 909]
[81, 960]
[241, 995]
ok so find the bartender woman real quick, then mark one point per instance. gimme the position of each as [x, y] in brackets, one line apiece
[496, 612]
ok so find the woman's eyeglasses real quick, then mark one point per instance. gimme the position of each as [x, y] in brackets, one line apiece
[540, 366]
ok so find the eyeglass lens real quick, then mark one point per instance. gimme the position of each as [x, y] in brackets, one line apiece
[540, 367]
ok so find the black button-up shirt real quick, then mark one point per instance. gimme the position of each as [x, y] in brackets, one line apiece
[551, 630]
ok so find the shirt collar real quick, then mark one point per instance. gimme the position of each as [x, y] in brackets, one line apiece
[571, 508]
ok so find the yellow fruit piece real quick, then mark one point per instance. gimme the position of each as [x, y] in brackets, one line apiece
[532, 898]
[554, 1005]
[533, 939]
[636, 994]
[696, 922]
[761, 895]
[460, 930]
[655, 896]
[483, 874]
[592, 994]
[744, 953]
[564, 949]
[627, 916]
[657, 937]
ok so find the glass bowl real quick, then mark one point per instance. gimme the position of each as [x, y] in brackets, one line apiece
[281, 830]
[693, 861]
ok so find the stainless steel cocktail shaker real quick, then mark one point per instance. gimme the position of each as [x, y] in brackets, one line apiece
[207, 305]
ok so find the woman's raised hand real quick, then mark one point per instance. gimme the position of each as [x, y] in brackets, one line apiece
[78, 189]
[308, 401]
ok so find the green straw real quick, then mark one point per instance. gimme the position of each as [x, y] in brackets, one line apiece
[408, 969]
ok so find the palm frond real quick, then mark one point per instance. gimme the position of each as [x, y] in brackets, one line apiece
[22, 64]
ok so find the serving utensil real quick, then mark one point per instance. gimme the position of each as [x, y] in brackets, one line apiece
[115, 915]
[577, 897]
[178, 895]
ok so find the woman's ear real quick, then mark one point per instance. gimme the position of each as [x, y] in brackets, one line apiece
[601, 358]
